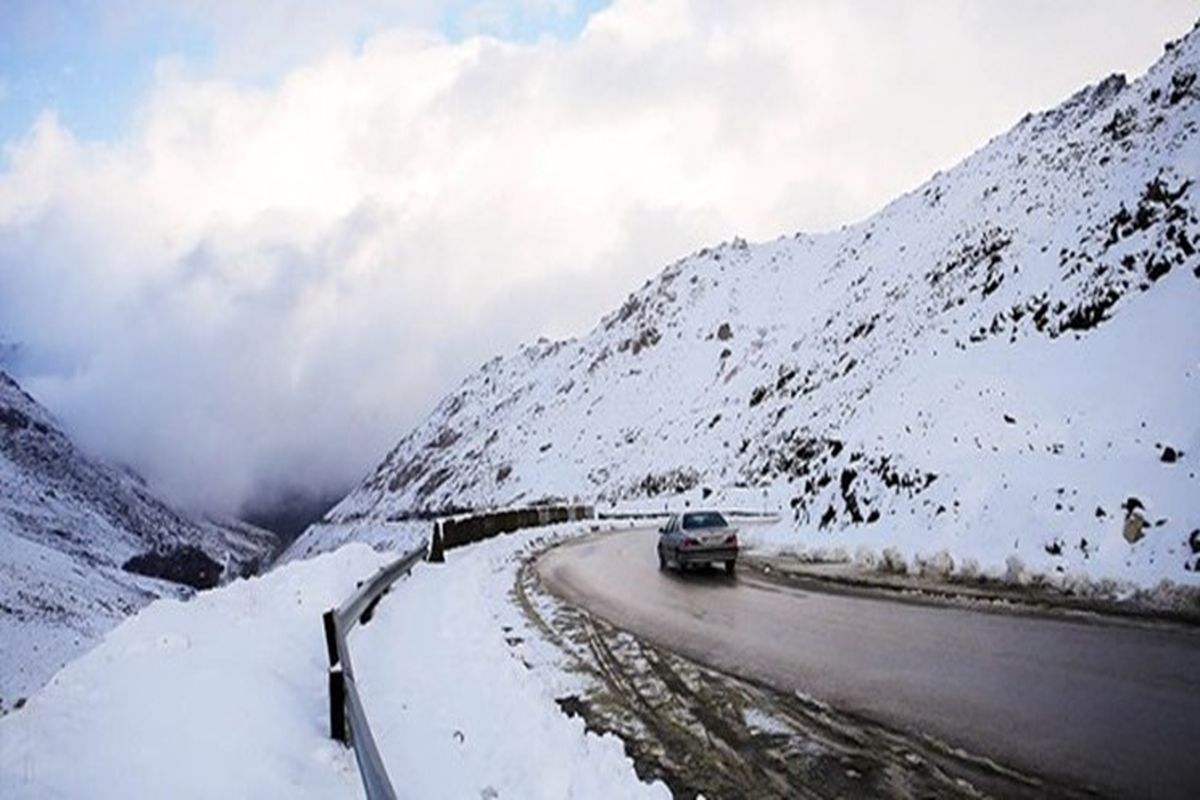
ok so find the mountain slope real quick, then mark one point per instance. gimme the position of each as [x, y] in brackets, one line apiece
[68, 527]
[1002, 362]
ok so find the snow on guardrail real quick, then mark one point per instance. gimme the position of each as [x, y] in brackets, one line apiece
[347, 717]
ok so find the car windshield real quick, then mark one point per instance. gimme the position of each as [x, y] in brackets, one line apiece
[706, 519]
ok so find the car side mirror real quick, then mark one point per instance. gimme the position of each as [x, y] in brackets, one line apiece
[663, 529]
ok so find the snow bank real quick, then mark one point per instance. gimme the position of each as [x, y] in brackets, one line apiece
[222, 696]
[382, 535]
[225, 696]
[474, 715]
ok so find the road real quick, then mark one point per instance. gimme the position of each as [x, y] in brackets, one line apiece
[1112, 706]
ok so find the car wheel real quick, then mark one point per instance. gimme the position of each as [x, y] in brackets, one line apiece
[662, 559]
[730, 565]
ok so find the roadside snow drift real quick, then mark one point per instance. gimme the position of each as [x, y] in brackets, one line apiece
[226, 695]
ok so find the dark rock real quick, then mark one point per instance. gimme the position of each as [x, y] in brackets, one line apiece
[185, 565]
[12, 419]
[1123, 123]
[445, 438]
[1181, 86]
[434, 482]
[828, 517]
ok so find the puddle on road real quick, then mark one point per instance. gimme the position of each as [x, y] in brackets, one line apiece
[706, 733]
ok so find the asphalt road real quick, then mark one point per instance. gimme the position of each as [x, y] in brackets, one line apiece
[1111, 706]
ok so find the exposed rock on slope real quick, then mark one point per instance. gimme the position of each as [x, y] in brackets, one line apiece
[83, 544]
[979, 366]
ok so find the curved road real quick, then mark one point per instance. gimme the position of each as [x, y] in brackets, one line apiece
[1107, 705]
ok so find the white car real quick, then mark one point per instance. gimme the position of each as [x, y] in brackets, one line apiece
[697, 537]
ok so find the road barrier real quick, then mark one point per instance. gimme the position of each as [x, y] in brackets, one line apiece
[347, 718]
[730, 513]
[451, 532]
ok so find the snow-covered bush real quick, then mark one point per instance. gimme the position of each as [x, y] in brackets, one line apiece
[893, 562]
[1015, 571]
[940, 565]
[969, 570]
[865, 559]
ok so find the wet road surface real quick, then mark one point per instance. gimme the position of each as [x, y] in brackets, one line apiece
[1112, 706]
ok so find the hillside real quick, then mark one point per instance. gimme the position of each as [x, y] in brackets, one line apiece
[73, 531]
[1001, 363]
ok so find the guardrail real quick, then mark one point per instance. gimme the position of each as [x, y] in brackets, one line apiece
[347, 718]
[769, 516]
[451, 532]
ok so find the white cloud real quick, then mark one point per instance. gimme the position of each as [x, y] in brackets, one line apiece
[268, 285]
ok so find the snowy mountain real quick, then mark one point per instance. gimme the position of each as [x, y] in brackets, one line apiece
[1003, 362]
[84, 544]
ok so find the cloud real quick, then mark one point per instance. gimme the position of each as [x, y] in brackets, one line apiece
[263, 287]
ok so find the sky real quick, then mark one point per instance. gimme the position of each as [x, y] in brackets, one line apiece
[245, 247]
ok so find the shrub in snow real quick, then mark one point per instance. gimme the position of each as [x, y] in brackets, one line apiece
[1077, 583]
[1107, 587]
[969, 570]
[1170, 596]
[825, 555]
[798, 552]
[893, 562]
[864, 559]
[939, 565]
[1014, 570]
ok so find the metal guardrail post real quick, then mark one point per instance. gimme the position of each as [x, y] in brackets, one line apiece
[337, 705]
[331, 637]
[437, 553]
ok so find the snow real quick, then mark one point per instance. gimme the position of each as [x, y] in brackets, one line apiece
[67, 524]
[226, 695]
[992, 366]
[220, 696]
[380, 534]
[55, 609]
[474, 711]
